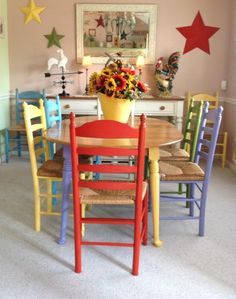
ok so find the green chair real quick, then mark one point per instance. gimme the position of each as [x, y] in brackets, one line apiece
[189, 143]
[188, 149]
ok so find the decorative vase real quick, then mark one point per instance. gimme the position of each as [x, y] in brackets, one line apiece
[115, 108]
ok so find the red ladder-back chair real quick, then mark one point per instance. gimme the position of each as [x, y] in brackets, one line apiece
[117, 191]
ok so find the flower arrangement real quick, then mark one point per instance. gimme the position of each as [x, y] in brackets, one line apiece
[117, 81]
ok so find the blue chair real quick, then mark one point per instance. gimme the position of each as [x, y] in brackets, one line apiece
[53, 116]
[18, 141]
[191, 173]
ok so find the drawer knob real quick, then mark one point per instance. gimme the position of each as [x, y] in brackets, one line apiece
[67, 106]
[162, 108]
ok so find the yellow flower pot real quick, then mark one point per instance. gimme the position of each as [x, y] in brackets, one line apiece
[115, 108]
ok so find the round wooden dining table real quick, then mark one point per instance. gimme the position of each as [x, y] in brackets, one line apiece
[158, 133]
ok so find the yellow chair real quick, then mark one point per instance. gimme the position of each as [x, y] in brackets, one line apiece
[48, 171]
[221, 145]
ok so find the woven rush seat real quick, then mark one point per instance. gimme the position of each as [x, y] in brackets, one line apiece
[173, 171]
[51, 168]
[119, 197]
[169, 154]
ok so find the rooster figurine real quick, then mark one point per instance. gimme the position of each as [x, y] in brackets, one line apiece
[165, 73]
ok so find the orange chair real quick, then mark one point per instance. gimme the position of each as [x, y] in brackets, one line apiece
[221, 145]
[110, 190]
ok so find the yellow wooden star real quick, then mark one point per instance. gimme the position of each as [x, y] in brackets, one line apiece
[32, 12]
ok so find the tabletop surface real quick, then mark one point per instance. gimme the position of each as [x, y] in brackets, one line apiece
[158, 133]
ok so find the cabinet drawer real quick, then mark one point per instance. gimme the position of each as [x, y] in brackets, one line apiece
[156, 107]
[86, 107]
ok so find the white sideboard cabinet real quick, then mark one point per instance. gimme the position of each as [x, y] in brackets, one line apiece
[171, 106]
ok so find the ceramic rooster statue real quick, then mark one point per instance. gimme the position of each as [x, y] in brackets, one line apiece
[165, 73]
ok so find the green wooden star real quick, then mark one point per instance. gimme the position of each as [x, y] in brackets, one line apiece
[54, 38]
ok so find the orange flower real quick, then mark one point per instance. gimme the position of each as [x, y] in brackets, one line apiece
[120, 82]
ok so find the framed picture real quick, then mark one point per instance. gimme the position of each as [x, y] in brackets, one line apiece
[2, 28]
[109, 38]
[126, 28]
[92, 32]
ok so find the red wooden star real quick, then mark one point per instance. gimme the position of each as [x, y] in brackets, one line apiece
[197, 35]
[100, 22]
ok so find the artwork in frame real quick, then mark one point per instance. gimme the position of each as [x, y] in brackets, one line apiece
[92, 32]
[2, 29]
[126, 29]
[109, 38]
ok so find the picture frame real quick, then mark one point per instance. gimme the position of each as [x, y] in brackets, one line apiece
[109, 38]
[92, 32]
[126, 29]
[2, 28]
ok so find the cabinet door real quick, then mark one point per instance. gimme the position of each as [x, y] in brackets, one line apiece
[83, 107]
[158, 108]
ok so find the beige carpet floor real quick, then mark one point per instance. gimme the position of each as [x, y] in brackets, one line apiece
[33, 265]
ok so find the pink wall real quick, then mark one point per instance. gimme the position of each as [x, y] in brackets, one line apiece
[198, 71]
[230, 100]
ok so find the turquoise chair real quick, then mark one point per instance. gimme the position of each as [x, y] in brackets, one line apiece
[15, 134]
[53, 117]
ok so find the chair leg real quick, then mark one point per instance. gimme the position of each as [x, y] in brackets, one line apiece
[77, 235]
[83, 209]
[145, 219]
[37, 206]
[49, 195]
[54, 191]
[7, 145]
[137, 240]
[19, 144]
[180, 190]
[224, 149]
[97, 161]
[149, 199]
[202, 212]
[190, 194]
[65, 195]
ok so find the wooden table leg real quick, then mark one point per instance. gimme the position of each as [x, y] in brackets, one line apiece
[65, 194]
[154, 184]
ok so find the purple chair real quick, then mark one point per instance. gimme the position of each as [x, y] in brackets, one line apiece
[191, 173]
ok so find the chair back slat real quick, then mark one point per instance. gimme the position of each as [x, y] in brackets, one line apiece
[107, 185]
[36, 127]
[114, 130]
[203, 155]
[206, 142]
[108, 168]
